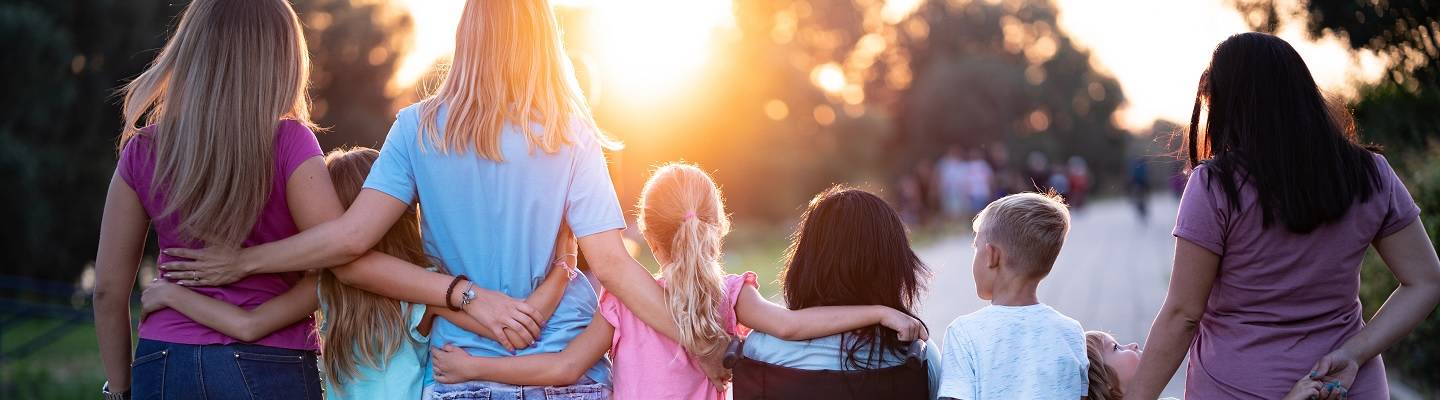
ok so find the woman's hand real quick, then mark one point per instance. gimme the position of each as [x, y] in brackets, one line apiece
[907, 328]
[210, 266]
[156, 296]
[514, 322]
[1338, 370]
[1306, 389]
[451, 364]
[713, 365]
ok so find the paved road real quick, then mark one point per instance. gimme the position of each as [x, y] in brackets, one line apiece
[1111, 274]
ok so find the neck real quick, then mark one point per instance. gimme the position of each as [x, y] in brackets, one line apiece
[1014, 291]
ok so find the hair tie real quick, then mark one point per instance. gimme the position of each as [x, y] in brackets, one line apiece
[689, 214]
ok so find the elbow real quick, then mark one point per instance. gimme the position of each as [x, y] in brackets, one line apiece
[109, 297]
[787, 332]
[350, 248]
[1185, 319]
[568, 375]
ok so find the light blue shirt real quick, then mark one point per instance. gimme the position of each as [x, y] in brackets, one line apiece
[402, 376]
[827, 353]
[496, 222]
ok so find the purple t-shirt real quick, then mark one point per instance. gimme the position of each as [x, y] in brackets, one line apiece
[1281, 300]
[294, 143]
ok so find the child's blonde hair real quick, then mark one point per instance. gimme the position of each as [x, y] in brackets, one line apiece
[1104, 382]
[682, 216]
[1031, 227]
[214, 95]
[363, 328]
[509, 67]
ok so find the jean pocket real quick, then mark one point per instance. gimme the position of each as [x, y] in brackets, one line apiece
[589, 391]
[147, 375]
[272, 376]
[465, 393]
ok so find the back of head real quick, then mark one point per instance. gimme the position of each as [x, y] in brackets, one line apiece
[1030, 227]
[682, 216]
[362, 328]
[1104, 382]
[850, 248]
[509, 67]
[1269, 125]
[215, 94]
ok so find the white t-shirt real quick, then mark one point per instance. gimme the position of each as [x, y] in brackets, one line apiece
[999, 352]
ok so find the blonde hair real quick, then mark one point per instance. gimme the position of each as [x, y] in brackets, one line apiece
[362, 328]
[682, 216]
[1104, 382]
[1031, 227]
[214, 96]
[509, 67]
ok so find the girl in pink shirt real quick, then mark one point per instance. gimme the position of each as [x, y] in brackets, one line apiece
[683, 219]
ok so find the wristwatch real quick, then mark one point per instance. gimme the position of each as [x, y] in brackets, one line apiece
[468, 295]
[108, 395]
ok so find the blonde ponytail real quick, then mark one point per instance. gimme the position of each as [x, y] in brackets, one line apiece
[683, 218]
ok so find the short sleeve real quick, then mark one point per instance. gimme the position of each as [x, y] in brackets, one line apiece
[957, 376]
[611, 309]
[1200, 217]
[733, 285]
[295, 143]
[417, 315]
[1400, 208]
[134, 166]
[393, 173]
[591, 205]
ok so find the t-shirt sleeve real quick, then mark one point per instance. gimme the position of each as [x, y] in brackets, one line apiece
[733, 285]
[611, 309]
[591, 205]
[957, 375]
[393, 173]
[1401, 209]
[417, 315]
[134, 165]
[297, 143]
[1200, 218]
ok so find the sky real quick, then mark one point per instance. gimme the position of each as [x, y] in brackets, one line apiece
[1156, 49]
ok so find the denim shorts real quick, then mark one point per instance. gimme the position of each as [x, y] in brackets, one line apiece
[164, 370]
[585, 389]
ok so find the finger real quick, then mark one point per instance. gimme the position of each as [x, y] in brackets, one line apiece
[532, 313]
[180, 266]
[521, 330]
[503, 339]
[451, 348]
[183, 253]
[179, 275]
[529, 323]
[515, 338]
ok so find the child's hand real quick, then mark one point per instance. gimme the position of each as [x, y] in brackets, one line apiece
[156, 296]
[451, 364]
[1305, 389]
[906, 328]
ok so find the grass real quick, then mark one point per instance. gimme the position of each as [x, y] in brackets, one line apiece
[66, 366]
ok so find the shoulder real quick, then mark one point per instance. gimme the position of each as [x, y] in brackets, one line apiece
[734, 283]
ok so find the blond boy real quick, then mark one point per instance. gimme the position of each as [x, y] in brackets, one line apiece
[1017, 347]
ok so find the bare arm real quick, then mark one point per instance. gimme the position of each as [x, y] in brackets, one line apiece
[122, 241]
[629, 281]
[754, 311]
[1411, 258]
[1193, 274]
[453, 364]
[244, 325]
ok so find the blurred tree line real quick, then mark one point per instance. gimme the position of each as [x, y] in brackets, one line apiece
[59, 117]
[1399, 113]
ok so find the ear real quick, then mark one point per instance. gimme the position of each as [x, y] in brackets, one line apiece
[995, 256]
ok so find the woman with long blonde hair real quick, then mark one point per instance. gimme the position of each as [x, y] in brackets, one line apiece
[503, 151]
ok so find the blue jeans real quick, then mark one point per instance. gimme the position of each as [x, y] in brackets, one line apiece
[585, 389]
[164, 370]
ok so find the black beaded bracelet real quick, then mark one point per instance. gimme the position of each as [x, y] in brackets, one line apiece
[451, 290]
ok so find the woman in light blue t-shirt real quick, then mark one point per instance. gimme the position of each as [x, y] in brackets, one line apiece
[849, 249]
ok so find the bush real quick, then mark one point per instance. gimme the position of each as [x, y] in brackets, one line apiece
[1417, 356]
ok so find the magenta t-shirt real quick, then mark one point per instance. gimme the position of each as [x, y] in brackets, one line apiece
[294, 143]
[649, 365]
[1281, 300]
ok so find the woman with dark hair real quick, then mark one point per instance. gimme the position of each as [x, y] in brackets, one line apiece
[850, 248]
[1274, 223]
